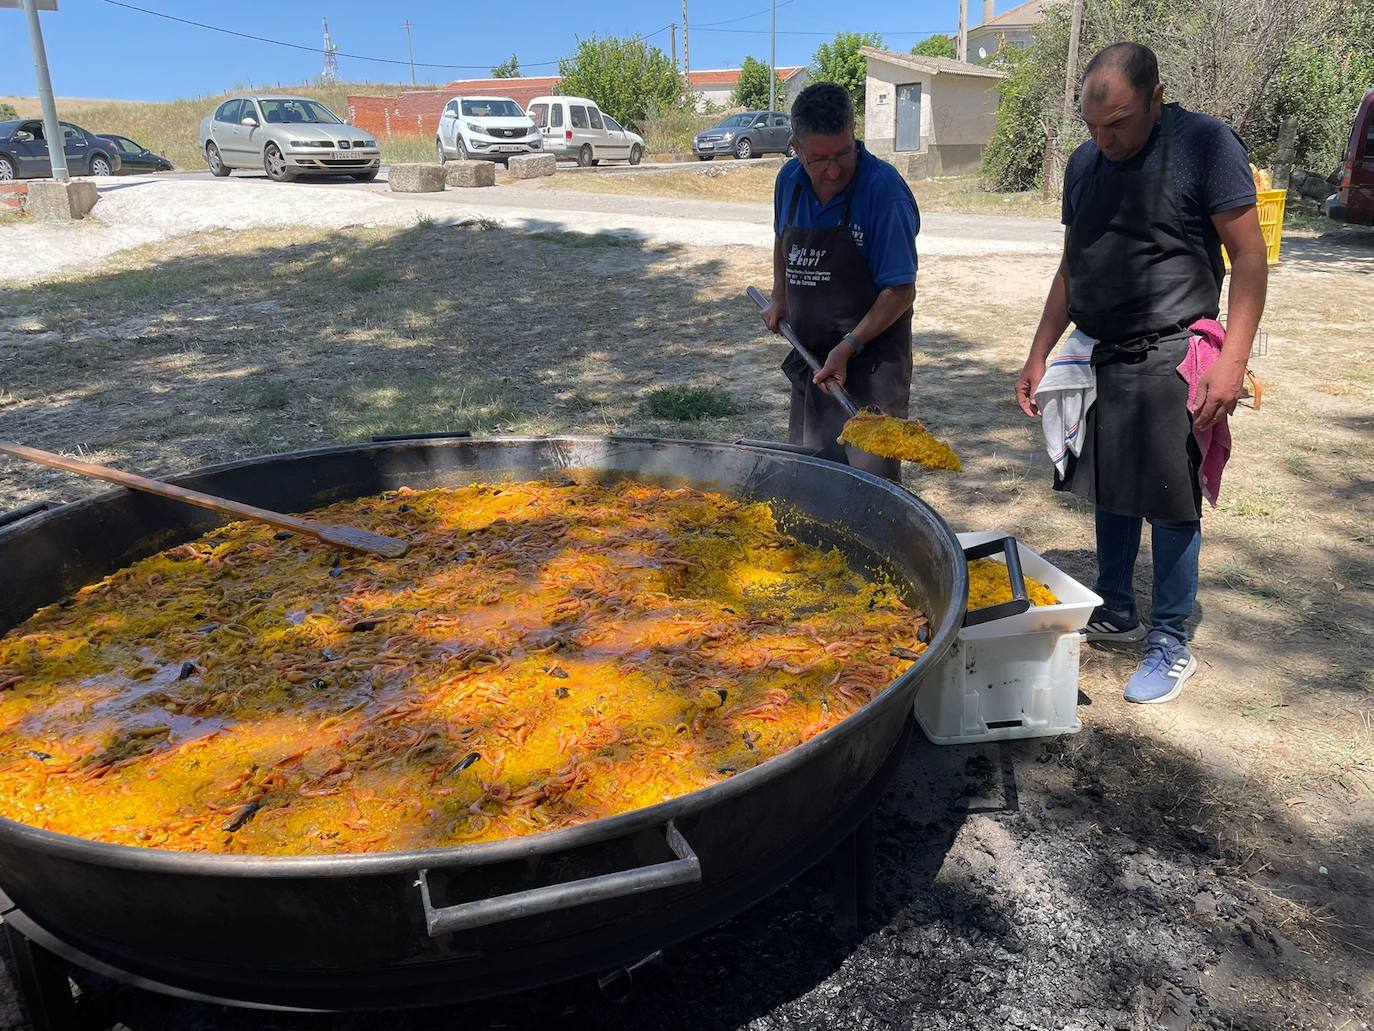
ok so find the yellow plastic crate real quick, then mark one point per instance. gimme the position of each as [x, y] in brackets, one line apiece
[1271, 205]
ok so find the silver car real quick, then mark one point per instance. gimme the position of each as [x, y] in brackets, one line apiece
[286, 137]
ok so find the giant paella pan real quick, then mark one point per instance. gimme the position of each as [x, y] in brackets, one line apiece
[542, 881]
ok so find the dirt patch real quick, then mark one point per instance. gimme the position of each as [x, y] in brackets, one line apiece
[1201, 864]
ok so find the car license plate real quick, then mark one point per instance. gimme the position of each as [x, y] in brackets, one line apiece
[706, 146]
[343, 155]
[505, 148]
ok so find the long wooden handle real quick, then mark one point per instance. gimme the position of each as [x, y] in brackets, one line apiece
[344, 536]
[789, 334]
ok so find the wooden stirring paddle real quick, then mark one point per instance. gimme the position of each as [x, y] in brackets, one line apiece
[883, 435]
[344, 536]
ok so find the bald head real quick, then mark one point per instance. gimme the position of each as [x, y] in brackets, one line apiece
[1129, 64]
[1122, 99]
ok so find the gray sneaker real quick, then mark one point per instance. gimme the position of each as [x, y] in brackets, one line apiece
[1165, 669]
[1106, 625]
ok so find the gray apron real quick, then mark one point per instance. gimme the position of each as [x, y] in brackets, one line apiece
[1136, 282]
[829, 290]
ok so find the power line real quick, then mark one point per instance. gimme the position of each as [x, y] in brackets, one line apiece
[745, 17]
[352, 57]
[799, 32]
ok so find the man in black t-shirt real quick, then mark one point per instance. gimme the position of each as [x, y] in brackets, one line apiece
[1148, 203]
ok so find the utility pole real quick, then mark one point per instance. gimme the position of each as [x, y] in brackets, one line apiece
[686, 59]
[1071, 73]
[672, 35]
[410, 44]
[773, 63]
[962, 51]
[52, 129]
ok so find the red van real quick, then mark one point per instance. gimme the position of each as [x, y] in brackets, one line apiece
[1354, 201]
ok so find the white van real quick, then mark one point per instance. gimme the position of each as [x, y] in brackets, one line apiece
[490, 128]
[575, 128]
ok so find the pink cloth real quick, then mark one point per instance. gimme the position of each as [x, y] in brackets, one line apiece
[1204, 348]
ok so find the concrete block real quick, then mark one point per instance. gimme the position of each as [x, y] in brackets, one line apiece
[417, 179]
[61, 202]
[532, 166]
[470, 173]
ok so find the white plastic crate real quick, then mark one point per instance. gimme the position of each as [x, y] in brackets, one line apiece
[998, 688]
[1014, 677]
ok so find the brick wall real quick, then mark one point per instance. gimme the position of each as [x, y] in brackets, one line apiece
[13, 195]
[417, 112]
[378, 115]
[420, 110]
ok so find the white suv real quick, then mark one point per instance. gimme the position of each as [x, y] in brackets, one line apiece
[489, 128]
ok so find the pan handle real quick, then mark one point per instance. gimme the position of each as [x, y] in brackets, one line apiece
[1020, 600]
[685, 869]
[773, 445]
[392, 438]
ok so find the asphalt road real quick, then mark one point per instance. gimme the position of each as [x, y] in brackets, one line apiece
[543, 206]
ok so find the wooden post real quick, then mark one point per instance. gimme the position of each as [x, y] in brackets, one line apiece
[1049, 171]
[962, 51]
[1071, 69]
[1284, 154]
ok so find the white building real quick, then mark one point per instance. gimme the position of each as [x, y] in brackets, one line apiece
[929, 116]
[1014, 28]
[717, 86]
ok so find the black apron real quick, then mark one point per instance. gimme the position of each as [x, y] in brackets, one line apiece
[1136, 282]
[829, 290]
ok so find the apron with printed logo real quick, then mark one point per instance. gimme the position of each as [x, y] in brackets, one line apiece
[829, 291]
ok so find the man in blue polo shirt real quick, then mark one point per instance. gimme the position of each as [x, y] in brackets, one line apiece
[844, 275]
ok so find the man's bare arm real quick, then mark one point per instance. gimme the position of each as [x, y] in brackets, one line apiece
[777, 310]
[1221, 385]
[1053, 321]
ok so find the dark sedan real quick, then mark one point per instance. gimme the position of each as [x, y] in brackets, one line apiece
[748, 135]
[24, 151]
[135, 157]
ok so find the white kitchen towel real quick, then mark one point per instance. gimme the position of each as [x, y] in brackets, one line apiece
[1065, 394]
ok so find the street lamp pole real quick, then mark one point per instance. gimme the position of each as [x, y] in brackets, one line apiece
[773, 63]
[52, 129]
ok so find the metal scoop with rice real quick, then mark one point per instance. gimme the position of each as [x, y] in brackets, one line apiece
[883, 435]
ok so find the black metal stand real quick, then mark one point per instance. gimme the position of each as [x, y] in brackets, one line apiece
[43, 986]
[855, 863]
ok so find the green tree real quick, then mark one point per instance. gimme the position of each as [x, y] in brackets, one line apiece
[508, 69]
[626, 77]
[7, 112]
[1197, 46]
[938, 45]
[839, 61]
[1320, 84]
[752, 88]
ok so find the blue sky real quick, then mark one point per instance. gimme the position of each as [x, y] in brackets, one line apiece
[98, 49]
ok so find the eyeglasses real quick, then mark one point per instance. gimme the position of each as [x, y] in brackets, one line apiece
[837, 160]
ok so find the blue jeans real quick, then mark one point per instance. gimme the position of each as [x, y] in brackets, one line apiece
[1174, 546]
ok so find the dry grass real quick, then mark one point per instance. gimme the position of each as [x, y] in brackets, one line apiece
[726, 179]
